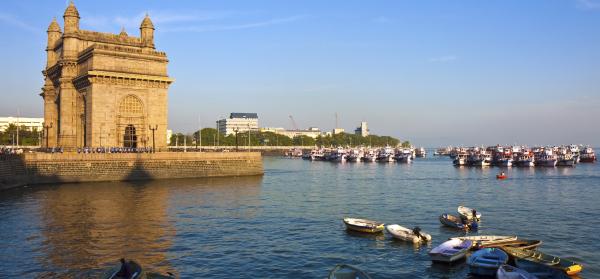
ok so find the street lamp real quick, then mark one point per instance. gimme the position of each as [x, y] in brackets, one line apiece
[47, 127]
[153, 129]
[236, 129]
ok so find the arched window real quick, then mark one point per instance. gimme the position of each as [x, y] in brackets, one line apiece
[131, 106]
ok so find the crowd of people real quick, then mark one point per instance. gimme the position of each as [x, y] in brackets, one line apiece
[8, 150]
[114, 150]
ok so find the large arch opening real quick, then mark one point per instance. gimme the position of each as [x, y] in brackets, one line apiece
[131, 122]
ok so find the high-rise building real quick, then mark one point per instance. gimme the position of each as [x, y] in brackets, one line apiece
[238, 122]
[362, 130]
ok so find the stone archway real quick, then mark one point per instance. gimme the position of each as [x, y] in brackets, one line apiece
[131, 122]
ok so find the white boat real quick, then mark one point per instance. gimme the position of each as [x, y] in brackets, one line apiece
[525, 159]
[370, 156]
[415, 235]
[355, 155]
[386, 155]
[468, 212]
[403, 155]
[460, 159]
[451, 250]
[566, 160]
[511, 272]
[339, 155]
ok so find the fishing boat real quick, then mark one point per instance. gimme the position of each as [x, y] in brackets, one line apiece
[536, 260]
[420, 152]
[355, 155]
[450, 251]
[455, 222]
[414, 235]
[370, 156]
[386, 154]
[587, 155]
[565, 160]
[460, 159]
[403, 155]
[486, 261]
[525, 159]
[338, 155]
[517, 243]
[363, 225]
[344, 271]
[510, 272]
[468, 213]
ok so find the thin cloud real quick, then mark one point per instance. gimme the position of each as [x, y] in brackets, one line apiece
[382, 19]
[158, 17]
[212, 28]
[588, 4]
[14, 21]
[443, 59]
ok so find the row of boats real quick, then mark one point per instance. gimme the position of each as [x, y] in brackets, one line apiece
[487, 255]
[521, 156]
[364, 154]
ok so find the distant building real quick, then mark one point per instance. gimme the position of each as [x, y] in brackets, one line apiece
[338, 131]
[242, 122]
[28, 122]
[169, 135]
[362, 130]
[312, 132]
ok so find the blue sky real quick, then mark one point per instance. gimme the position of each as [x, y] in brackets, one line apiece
[433, 72]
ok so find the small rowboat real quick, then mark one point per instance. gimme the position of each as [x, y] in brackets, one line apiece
[511, 272]
[499, 176]
[467, 213]
[344, 271]
[450, 251]
[415, 235]
[485, 240]
[536, 260]
[363, 225]
[455, 222]
[131, 270]
[486, 261]
[520, 243]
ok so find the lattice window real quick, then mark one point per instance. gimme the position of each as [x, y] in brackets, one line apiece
[131, 105]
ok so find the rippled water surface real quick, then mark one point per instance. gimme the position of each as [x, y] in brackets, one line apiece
[287, 224]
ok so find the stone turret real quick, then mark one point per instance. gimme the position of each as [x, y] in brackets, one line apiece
[147, 32]
[71, 18]
[54, 34]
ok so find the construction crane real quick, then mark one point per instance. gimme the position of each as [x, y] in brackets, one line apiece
[293, 123]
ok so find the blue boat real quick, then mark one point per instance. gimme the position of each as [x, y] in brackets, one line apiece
[486, 261]
[511, 272]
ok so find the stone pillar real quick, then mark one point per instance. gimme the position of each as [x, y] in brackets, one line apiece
[67, 137]
[50, 115]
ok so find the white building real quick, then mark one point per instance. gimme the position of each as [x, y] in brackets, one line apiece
[29, 123]
[312, 132]
[240, 122]
[338, 131]
[169, 135]
[363, 130]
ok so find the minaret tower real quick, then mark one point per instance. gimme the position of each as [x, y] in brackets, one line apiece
[147, 32]
[48, 91]
[68, 95]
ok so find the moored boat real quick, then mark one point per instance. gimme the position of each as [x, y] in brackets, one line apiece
[451, 250]
[532, 259]
[467, 212]
[131, 270]
[456, 222]
[587, 155]
[460, 159]
[363, 225]
[414, 235]
[344, 271]
[518, 243]
[510, 272]
[486, 261]
[483, 240]
[386, 154]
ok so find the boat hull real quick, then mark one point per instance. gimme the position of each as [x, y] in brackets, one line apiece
[486, 261]
[450, 251]
[373, 227]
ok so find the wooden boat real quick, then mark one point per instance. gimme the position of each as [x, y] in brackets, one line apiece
[468, 213]
[499, 176]
[344, 271]
[510, 272]
[451, 250]
[486, 261]
[455, 222]
[529, 259]
[520, 243]
[415, 235]
[484, 240]
[363, 225]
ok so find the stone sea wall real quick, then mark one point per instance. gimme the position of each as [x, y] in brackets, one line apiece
[44, 168]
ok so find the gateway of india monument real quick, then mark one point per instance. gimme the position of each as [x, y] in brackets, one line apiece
[104, 89]
[110, 90]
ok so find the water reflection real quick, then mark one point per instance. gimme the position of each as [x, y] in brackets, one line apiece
[89, 226]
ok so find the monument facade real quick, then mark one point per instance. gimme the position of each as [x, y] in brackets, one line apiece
[104, 89]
